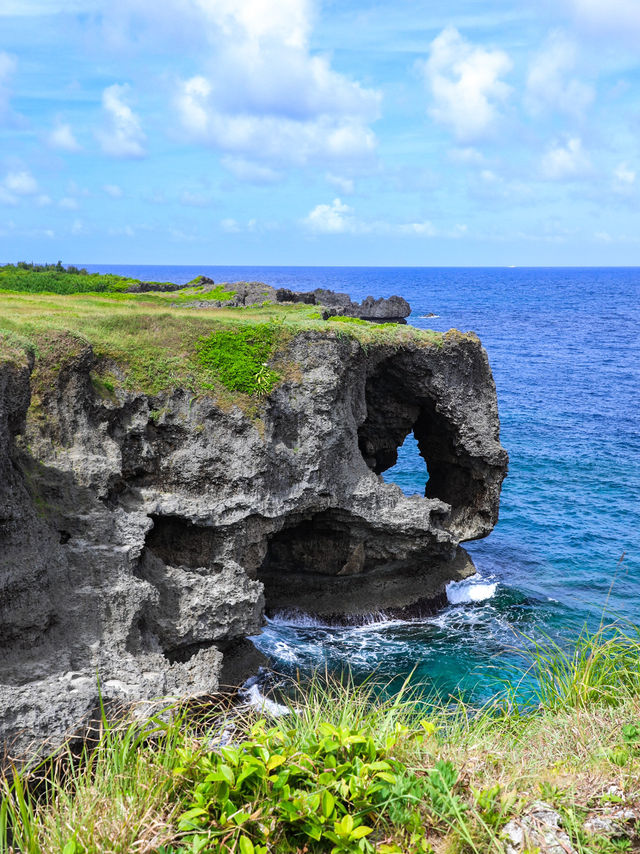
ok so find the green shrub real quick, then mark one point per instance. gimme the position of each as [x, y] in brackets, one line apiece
[276, 792]
[239, 358]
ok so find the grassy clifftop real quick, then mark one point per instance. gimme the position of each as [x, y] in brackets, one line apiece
[153, 342]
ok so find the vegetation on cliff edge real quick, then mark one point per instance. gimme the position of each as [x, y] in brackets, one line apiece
[348, 772]
[145, 342]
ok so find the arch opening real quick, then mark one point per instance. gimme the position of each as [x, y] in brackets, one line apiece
[407, 436]
[410, 470]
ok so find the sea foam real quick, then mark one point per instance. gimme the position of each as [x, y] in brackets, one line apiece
[470, 590]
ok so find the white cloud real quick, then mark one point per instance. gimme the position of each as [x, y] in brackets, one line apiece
[565, 162]
[113, 190]
[62, 138]
[624, 174]
[549, 81]
[7, 67]
[266, 96]
[464, 82]
[230, 225]
[424, 229]
[345, 185]
[624, 179]
[68, 204]
[339, 218]
[7, 198]
[252, 173]
[467, 156]
[122, 231]
[78, 228]
[489, 177]
[336, 218]
[195, 199]
[121, 135]
[20, 183]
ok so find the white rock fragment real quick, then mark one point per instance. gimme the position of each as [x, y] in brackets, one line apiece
[540, 827]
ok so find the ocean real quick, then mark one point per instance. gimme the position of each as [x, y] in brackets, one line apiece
[564, 346]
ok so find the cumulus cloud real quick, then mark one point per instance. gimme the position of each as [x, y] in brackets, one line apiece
[230, 225]
[113, 190]
[624, 179]
[62, 138]
[20, 183]
[7, 67]
[68, 204]
[121, 135]
[550, 84]
[195, 198]
[339, 218]
[464, 81]
[336, 218]
[565, 161]
[467, 156]
[345, 185]
[267, 96]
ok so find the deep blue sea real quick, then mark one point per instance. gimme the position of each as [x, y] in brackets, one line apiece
[564, 345]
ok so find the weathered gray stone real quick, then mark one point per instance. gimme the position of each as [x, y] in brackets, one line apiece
[135, 548]
[538, 829]
[611, 822]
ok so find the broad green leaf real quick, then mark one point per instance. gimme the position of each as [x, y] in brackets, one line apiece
[361, 831]
[314, 831]
[328, 803]
[275, 761]
[189, 815]
[245, 845]
[345, 825]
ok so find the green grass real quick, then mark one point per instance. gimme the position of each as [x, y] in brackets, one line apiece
[158, 346]
[349, 772]
[239, 358]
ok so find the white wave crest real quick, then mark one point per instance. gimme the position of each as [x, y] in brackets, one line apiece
[251, 694]
[471, 590]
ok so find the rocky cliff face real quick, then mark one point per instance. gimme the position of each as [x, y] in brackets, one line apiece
[142, 538]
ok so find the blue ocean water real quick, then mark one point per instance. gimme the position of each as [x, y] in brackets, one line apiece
[564, 345]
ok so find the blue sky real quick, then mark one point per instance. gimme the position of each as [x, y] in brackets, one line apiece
[450, 132]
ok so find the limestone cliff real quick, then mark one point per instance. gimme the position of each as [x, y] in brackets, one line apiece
[141, 538]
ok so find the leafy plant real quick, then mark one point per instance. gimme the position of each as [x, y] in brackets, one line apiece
[238, 358]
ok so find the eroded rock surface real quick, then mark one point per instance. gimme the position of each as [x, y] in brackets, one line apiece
[392, 309]
[141, 538]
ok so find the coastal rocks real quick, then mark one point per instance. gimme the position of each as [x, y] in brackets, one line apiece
[383, 310]
[143, 537]
[539, 829]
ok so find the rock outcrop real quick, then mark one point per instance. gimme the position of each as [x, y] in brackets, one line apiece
[392, 309]
[382, 310]
[142, 538]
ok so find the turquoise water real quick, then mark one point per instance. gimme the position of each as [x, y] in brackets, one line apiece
[564, 345]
